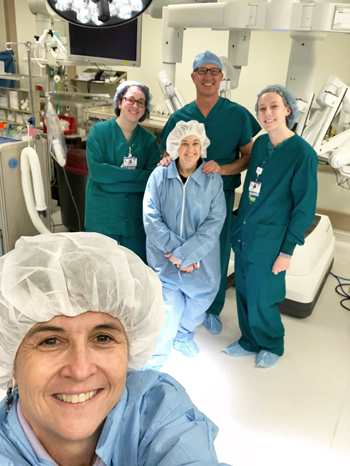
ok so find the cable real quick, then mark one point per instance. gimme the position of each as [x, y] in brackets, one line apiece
[343, 181]
[73, 200]
[343, 293]
[35, 57]
[58, 97]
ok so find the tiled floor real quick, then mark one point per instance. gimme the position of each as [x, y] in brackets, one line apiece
[296, 413]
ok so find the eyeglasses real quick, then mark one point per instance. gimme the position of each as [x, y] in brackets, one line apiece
[203, 71]
[130, 101]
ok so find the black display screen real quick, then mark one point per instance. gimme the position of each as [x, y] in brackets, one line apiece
[113, 43]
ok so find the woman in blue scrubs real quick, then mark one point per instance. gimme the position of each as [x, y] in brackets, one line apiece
[278, 204]
[184, 211]
[121, 155]
[79, 315]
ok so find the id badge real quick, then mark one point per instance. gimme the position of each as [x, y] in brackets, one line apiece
[254, 190]
[130, 163]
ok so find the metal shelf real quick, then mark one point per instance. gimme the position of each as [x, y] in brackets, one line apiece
[13, 77]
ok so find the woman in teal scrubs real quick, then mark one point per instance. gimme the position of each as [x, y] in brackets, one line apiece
[121, 155]
[278, 204]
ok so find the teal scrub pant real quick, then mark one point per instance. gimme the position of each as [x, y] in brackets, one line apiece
[183, 315]
[136, 243]
[225, 251]
[258, 292]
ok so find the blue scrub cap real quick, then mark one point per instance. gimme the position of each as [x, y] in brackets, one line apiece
[206, 58]
[121, 90]
[288, 99]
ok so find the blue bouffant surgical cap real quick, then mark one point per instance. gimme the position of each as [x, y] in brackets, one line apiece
[122, 89]
[206, 58]
[288, 99]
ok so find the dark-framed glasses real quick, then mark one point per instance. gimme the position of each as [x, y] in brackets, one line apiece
[213, 71]
[130, 101]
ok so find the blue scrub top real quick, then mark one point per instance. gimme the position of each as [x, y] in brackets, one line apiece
[154, 424]
[229, 126]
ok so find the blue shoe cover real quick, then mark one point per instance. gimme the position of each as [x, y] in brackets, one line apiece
[187, 348]
[212, 323]
[266, 359]
[236, 350]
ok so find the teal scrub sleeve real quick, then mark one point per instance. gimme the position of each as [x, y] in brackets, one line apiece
[117, 179]
[156, 230]
[170, 125]
[203, 241]
[304, 191]
[249, 128]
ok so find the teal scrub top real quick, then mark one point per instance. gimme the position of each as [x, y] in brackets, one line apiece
[229, 126]
[113, 204]
[286, 205]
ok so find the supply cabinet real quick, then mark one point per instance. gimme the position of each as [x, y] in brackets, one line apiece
[15, 106]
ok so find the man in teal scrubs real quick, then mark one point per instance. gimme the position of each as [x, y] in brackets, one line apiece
[230, 128]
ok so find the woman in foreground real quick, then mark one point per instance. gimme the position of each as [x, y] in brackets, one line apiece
[77, 314]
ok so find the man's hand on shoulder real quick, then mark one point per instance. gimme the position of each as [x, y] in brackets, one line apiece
[211, 167]
[165, 162]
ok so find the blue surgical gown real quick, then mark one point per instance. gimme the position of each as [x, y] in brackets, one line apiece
[184, 220]
[154, 424]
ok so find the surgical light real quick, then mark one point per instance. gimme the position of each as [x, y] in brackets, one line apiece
[99, 13]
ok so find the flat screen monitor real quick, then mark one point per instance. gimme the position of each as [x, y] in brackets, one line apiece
[117, 45]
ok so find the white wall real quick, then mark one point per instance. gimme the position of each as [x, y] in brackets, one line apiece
[268, 63]
[2, 26]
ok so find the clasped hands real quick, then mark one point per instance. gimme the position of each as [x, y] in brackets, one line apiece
[177, 262]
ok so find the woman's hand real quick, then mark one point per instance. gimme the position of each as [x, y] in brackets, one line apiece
[211, 167]
[187, 269]
[173, 259]
[165, 161]
[281, 264]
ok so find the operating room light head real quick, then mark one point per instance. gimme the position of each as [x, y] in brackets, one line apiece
[99, 12]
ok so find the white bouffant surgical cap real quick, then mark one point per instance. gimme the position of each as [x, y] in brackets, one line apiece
[72, 273]
[181, 131]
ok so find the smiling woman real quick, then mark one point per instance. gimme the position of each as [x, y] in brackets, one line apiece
[121, 155]
[183, 213]
[77, 314]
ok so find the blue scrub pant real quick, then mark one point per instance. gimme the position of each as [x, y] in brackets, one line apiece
[225, 251]
[182, 316]
[136, 243]
[258, 292]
